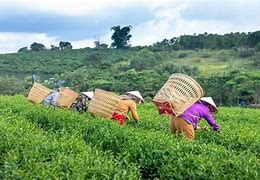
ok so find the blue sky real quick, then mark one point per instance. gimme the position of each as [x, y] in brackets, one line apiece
[81, 22]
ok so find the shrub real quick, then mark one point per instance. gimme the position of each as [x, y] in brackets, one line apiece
[256, 59]
[205, 54]
[66, 145]
[222, 58]
[197, 60]
[245, 52]
[11, 85]
[257, 47]
[182, 55]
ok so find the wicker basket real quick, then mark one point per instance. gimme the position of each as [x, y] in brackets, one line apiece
[66, 98]
[103, 103]
[177, 94]
[38, 92]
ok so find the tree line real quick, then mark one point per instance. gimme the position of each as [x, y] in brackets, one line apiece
[121, 39]
[227, 89]
[40, 47]
[211, 41]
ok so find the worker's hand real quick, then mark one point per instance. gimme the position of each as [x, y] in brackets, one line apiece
[202, 128]
[219, 131]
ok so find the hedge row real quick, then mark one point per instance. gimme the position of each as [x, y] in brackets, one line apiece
[158, 155]
[28, 152]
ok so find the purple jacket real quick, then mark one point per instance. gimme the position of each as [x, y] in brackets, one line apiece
[197, 111]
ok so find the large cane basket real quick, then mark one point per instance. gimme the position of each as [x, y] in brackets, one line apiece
[103, 103]
[177, 94]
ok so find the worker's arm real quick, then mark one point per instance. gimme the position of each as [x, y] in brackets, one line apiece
[132, 107]
[208, 117]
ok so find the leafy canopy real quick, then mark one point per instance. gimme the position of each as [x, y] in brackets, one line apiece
[121, 36]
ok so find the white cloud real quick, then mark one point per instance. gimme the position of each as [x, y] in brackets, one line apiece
[162, 26]
[167, 21]
[77, 7]
[11, 42]
[154, 31]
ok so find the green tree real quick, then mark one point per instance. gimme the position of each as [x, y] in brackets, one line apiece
[253, 38]
[77, 79]
[37, 47]
[65, 45]
[23, 49]
[256, 59]
[214, 86]
[53, 47]
[145, 59]
[148, 82]
[121, 36]
[239, 88]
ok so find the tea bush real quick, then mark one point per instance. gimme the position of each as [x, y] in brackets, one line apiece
[148, 146]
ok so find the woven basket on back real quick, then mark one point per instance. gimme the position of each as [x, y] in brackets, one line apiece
[38, 92]
[177, 94]
[66, 98]
[103, 103]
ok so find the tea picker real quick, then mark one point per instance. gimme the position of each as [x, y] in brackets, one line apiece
[181, 97]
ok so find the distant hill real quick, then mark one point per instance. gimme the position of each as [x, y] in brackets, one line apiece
[137, 68]
[60, 61]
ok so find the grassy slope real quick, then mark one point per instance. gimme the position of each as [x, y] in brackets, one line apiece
[216, 61]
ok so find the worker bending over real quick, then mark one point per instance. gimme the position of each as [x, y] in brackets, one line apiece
[126, 105]
[188, 121]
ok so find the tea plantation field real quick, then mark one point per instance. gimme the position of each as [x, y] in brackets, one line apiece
[40, 143]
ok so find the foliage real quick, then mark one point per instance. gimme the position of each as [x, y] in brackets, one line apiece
[245, 52]
[138, 68]
[254, 38]
[182, 55]
[11, 85]
[77, 79]
[231, 87]
[23, 49]
[257, 47]
[120, 36]
[147, 82]
[37, 47]
[65, 45]
[256, 59]
[223, 57]
[210, 41]
[28, 151]
[145, 59]
[205, 54]
[48, 143]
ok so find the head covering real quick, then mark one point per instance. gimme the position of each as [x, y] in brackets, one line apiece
[89, 94]
[135, 94]
[210, 101]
